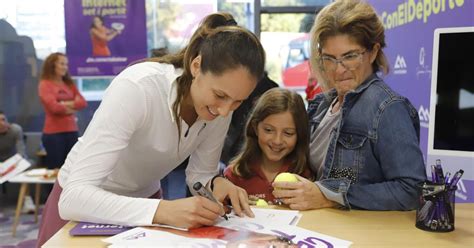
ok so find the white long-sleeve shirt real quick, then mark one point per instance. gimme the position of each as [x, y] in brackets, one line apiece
[130, 144]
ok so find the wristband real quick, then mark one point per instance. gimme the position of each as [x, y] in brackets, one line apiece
[212, 181]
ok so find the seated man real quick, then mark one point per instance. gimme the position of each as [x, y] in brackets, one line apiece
[11, 142]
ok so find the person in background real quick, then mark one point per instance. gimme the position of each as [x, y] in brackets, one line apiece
[365, 137]
[276, 141]
[153, 116]
[100, 36]
[11, 143]
[11, 139]
[60, 99]
[312, 88]
[235, 135]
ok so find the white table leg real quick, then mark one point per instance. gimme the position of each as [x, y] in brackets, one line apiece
[19, 205]
[37, 199]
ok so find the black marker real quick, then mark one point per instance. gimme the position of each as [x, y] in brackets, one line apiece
[204, 192]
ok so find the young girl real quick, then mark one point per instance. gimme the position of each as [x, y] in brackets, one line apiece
[153, 116]
[276, 141]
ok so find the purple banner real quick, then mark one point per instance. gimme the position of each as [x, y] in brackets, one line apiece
[103, 37]
[410, 26]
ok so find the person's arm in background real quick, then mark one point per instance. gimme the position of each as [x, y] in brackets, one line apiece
[109, 35]
[48, 98]
[20, 143]
[78, 103]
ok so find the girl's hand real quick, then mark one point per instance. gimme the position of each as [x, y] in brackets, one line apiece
[189, 212]
[302, 195]
[239, 200]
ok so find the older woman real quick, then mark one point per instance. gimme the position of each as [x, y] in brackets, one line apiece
[61, 100]
[364, 136]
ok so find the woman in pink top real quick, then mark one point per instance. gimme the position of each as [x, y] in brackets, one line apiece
[61, 100]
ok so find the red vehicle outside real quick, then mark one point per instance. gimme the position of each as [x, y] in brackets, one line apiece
[296, 69]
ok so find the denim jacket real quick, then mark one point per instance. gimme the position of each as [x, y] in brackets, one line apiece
[373, 160]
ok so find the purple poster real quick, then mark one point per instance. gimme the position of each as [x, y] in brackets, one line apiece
[409, 29]
[103, 37]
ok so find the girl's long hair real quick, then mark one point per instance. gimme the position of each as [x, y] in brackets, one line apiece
[275, 101]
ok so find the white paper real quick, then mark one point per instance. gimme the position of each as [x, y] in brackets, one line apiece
[168, 226]
[300, 236]
[142, 237]
[263, 215]
[267, 221]
[19, 164]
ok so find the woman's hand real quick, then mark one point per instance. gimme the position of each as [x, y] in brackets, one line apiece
[68, 104]
[223, 189]
[69, 107]
[189, 212]
[302, 195]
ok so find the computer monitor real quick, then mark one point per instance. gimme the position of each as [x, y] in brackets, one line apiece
[451, 126]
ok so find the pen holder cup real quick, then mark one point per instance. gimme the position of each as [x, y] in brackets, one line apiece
[435, 212]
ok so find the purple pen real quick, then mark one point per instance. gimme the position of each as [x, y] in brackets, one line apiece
[446, 178]
[433, 174]
[454, 181]
[439, 171]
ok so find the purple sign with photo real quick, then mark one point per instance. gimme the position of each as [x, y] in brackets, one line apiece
[102, 38]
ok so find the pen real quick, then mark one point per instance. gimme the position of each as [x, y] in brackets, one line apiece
[204, 192]
[433, 174]
[446, 178]
[454, 181]
[439, 171]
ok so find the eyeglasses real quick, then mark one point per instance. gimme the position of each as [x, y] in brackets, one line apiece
[350, 61]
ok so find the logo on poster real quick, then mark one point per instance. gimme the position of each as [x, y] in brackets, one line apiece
[424, 115]
[400, 66]
[423, 71]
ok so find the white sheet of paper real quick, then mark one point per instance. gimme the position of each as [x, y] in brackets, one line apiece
[142, 237]
[167, 226]
[269, 221]
[264, 215]
[300, 236]
[20, 164]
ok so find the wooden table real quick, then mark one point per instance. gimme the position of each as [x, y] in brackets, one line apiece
[363, 228]
[25, 181]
